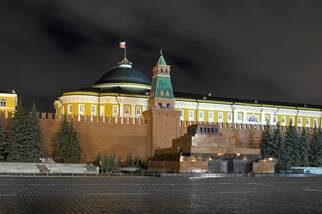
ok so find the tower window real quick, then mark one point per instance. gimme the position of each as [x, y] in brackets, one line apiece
[161, 93]
[3, 102]
[167, 93]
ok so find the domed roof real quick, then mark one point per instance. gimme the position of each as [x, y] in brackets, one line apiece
[123, 73]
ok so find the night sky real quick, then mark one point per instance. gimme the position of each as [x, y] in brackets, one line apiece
[266, 50]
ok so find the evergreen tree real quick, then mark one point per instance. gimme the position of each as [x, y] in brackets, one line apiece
[35, 134]
[304, 148]
[130, 162]
[109, 164]
[68, 149]
[267, 146]
[315, 156]
[4, 146]
[281, 154]
[292, 141]
[24, 146]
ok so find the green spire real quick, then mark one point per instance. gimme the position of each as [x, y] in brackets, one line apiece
[161, 60]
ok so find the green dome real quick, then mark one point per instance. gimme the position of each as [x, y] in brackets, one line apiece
[123, 73]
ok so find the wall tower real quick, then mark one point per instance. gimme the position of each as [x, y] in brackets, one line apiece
[163, 121]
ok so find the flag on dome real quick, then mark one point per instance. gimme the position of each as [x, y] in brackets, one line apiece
[123, 45]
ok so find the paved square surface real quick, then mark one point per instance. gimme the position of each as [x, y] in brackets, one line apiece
[160, 195]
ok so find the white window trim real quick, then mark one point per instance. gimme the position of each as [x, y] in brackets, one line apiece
[191, 118]
[136, 110]
[129, 113]
[316, 123]
[240, 120]
[283, 118]
[95, 110]
[222, 117]
[307, 124]
[69, 109]
[115, 114]
[201, 116]
[79, 109]
[293, 121]
[211, 117]
[299, 123]
[182, 115]
[229, 117]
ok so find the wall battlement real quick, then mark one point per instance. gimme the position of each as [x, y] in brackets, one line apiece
[141, 121]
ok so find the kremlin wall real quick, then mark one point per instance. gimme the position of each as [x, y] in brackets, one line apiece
[124, 136]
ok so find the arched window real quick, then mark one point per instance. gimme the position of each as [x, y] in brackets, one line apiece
[167, 93]
[160, 105]
[161, 93]
[168, 106]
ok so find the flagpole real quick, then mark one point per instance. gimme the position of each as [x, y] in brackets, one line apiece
[125, 50]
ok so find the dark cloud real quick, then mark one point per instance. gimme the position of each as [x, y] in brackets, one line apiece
[267, 50]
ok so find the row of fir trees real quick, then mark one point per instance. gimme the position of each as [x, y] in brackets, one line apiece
[292, 148]
[22, 140]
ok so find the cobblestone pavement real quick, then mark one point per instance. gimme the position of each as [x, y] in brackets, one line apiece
[160, 195]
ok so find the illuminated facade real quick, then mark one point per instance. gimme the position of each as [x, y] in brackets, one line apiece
[124, 92]
[8, 102]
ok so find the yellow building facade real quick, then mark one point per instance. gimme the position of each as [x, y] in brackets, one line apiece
[8, 102]
[124, 92]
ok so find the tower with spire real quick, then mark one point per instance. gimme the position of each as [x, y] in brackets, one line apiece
[161, 95]
[162, 120]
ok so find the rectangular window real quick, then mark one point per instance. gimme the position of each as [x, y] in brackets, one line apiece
[299, 121]
[70, 109]
[220, 117]
[210, 117]
[307, 122]
[201, 116]
[229, 117]
[138, 111]
[115, 111]
[126, 111]
[274, 119]
[93, 110]
[316, 122]
[283, 121]
[81, 109]
[240, 117]
[292, 121]
[267, 118]
[3, 102]
[191, 115]
[181, 115]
